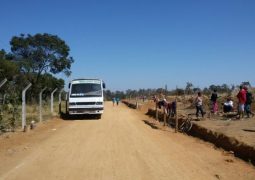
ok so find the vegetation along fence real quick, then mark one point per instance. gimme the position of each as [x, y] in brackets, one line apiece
[21, 110]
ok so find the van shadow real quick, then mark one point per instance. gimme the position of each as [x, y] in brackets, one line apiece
[152, 125]
[88, 117]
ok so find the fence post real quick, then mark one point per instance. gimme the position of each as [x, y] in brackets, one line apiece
[3, 82]
[156, 111]
[24, 106]
[164, 115]
[59, 101]
[40, 104]
[51, 100]
[4, 98]
[136, 103]
[176, 117]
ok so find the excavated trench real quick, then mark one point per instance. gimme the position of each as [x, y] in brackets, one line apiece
[220, 140]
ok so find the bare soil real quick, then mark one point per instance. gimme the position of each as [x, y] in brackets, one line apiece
[124, 144]
[242, 130]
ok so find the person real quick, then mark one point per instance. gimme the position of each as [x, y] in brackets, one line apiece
[214, 98]
[228, 105]
[199, 104]
[241, 96]
[160, 103]
[165, 105]
[113, 101]
[248, 102]
[154, 98]
[172, 109]
[117, 101]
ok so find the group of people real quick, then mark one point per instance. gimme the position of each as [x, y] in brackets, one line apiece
[169, 107]
[244, 102]
[227, 106]
[116, 101]
[244, 98]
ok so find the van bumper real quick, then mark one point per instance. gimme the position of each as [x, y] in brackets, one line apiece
[86, 111]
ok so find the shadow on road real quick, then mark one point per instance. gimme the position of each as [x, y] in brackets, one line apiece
[153, 126]
[67, 117]
[249, 130]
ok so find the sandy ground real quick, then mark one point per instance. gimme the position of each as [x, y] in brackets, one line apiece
[119, 146]
[242, 130]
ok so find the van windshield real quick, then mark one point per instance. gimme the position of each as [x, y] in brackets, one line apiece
[86, 90]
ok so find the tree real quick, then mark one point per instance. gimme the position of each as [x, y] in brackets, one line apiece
[246, 83]
[2, 54]
[188, 88]
[108, 95]
[8, 69]
[225, 88]
[206, 91]
[41, 53]
[179, 91]
[160, 90]
[197, 89]
[213, 87]
[51, 82]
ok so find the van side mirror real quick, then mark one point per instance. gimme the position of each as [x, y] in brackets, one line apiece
[69, 85]
[104, 85]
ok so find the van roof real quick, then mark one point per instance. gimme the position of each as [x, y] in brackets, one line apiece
[86, 79]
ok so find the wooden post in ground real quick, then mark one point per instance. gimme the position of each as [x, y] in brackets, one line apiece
[176, 117]
[136, 103]
[164, 116]
[156, 111]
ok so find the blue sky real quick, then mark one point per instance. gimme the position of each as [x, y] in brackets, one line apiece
[144, 43]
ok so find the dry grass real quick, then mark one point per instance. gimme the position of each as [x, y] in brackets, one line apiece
[32, 114]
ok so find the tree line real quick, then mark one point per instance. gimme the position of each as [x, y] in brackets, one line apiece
[188, 90]
[34, 59]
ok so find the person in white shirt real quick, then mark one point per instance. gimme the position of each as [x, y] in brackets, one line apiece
[228, 105]
[199, 104]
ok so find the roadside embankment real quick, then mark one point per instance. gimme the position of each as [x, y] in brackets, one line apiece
[238, 148]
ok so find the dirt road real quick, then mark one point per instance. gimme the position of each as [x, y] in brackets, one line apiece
[119, 146]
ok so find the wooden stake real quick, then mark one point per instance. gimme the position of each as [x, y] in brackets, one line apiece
[176, 117]
[164, 116]
[156, 111]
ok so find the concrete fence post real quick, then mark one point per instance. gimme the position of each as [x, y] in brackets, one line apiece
[52, 100]
[3, 82]
[4, 98]
[40, 103]
[59, 100]
[24, 106]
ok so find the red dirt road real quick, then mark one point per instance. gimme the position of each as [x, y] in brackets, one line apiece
[119, 146]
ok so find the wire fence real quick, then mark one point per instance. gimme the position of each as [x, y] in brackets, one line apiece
[16, 111]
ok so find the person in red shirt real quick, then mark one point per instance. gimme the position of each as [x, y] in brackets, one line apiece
[241, 101]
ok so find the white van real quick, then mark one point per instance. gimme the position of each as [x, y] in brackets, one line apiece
[86, 97]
